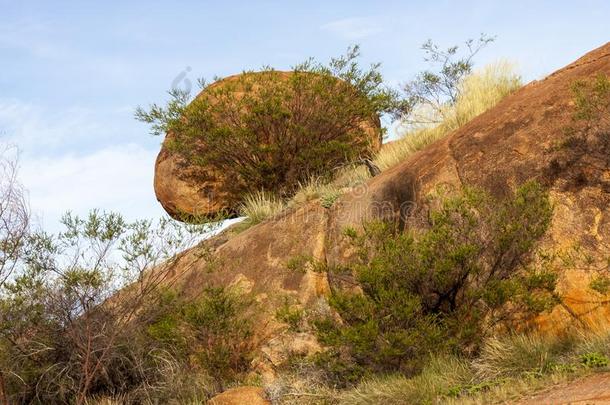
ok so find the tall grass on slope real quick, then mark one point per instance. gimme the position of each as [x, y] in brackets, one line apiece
[479, 92]
[506, 368]
[259, 206]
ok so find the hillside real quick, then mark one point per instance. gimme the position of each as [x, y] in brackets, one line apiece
[523, 138]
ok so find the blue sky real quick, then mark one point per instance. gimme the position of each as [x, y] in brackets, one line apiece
[72, 73]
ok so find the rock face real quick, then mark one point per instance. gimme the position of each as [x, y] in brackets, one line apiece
[502, 148]
[182, 197]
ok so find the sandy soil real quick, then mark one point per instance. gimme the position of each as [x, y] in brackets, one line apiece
[594, 389]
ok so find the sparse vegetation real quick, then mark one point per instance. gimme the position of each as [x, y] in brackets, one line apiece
[477, 92]
[507, 368]
[583, 157]
[429, 96]
[87, 312]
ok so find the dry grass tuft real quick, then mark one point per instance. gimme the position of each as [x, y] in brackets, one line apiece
[260, 206]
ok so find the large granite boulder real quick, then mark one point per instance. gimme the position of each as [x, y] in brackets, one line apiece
[185, 190]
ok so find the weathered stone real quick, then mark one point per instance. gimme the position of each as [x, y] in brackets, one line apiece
[500, 149]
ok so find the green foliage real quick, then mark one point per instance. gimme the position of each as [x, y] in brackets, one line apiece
[299, 263]
[594, 360]
[212, 333]
[440, 288]
[583, 156]
[269, 131]
[290, 315]
[601, 284]
[592, 98]
[328, 199]
[73, 312]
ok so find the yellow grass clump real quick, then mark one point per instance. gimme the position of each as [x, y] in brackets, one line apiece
[479, 92]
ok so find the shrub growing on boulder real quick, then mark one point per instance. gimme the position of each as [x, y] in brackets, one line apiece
[267, 131]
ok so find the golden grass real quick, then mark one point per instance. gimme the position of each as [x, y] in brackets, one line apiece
[259, 206]
[480, 91]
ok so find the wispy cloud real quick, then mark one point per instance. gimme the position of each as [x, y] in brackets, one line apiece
[71, 159]
[354, 28]
[35, 129]
[115, 178]
[33, 37]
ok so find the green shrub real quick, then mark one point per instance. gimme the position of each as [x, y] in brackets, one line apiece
[600, 283]
[88, 313]
[594, 360]
[328, 199]
[582, 158]
[268, 131]
[213, 333]
[290, 315]
[439, 288]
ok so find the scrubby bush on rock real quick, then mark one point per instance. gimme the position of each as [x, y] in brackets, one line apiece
[441, 288]
[269, 131]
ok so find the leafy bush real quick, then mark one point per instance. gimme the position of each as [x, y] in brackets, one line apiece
[291, 315]
[212, 333]
[441, 288]
[73, 315]
[270, 130]
[594, 360]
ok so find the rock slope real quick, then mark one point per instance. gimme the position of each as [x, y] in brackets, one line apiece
[508, 145]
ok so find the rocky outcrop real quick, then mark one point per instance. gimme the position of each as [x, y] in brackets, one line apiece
[184, 195]
[502, 148]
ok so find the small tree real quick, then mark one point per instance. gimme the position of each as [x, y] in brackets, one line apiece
[429, 94]
[14, 224]
[14, 213]
[270, 130]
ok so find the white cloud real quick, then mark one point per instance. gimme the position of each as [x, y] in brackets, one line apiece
[77, 159]
[353, 28]
[35, 129]
[33, 37]
[117, 178]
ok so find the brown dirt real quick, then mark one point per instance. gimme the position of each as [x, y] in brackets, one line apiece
[594, 389]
